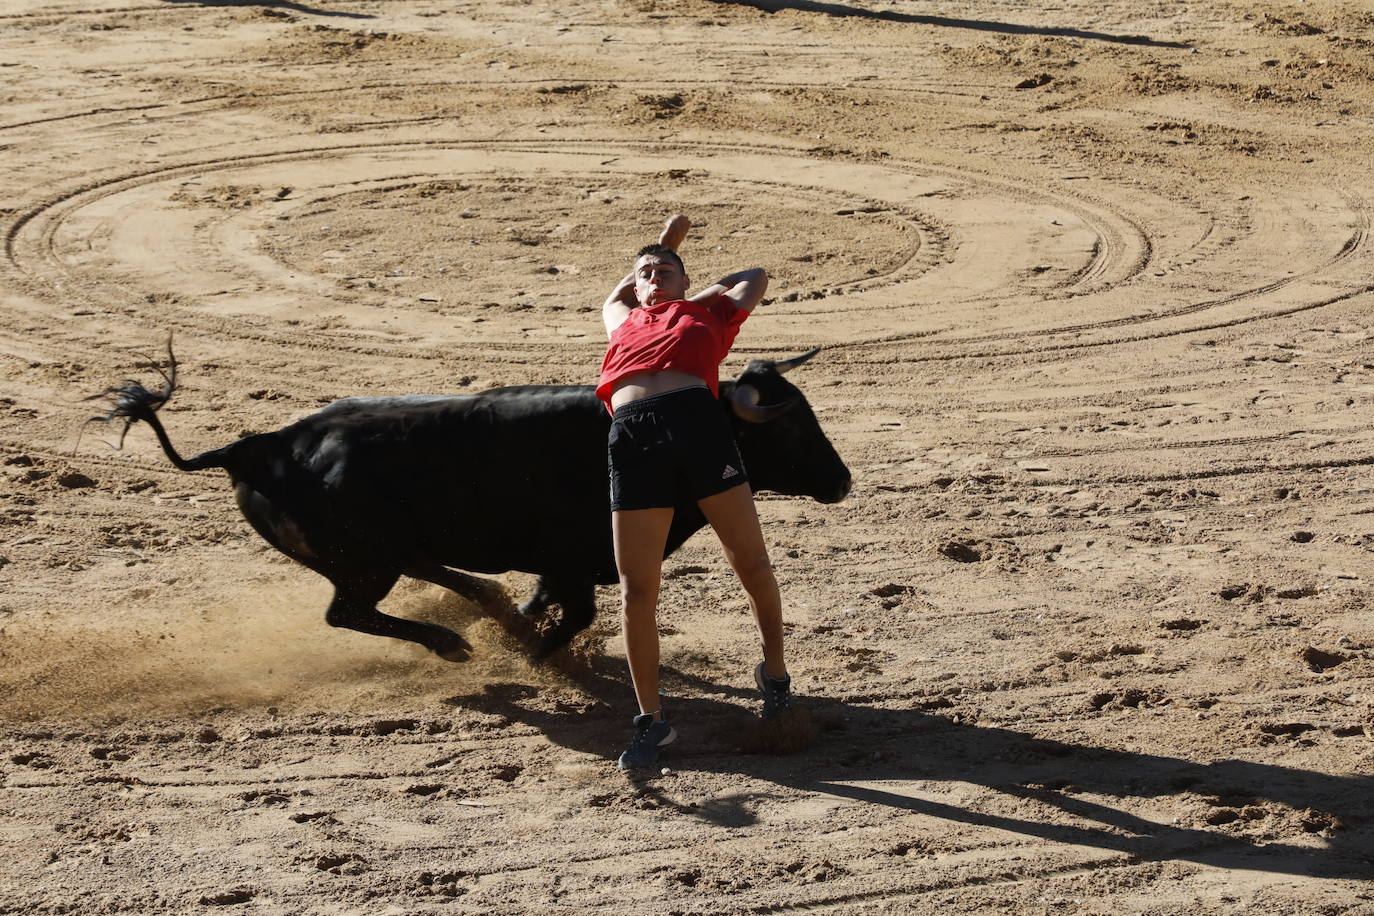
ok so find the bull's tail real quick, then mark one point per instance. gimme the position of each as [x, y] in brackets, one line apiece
[131, 402]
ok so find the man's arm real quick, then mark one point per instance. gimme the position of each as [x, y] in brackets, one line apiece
[618, 304]
[745, 288]
[674, 231]
[622, 299]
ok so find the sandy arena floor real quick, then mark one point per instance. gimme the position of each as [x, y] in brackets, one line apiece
[1094, 280]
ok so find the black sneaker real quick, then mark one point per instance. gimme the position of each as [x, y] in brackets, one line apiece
[649, 738]
[777, 692]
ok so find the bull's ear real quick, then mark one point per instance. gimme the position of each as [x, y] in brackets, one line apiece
[783, 366]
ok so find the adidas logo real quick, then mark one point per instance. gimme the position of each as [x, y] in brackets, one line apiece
[729, 472]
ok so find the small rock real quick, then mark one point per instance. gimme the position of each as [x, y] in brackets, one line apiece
[302, 817]
[227, 898]
[389, 726]
[1319, 660]
[961, 551]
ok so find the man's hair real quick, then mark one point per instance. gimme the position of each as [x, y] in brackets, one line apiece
[662, 251]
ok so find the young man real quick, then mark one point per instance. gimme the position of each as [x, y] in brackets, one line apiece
[668, 435]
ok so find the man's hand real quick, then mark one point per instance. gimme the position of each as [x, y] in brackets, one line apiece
[674, 231]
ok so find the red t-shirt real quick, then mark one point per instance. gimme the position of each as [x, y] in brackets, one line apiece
[684, 335]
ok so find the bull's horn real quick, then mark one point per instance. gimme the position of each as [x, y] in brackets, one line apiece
[744, 400]
[784, 365]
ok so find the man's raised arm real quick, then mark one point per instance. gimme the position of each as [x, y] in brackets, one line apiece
[745, 288]
[622, 299]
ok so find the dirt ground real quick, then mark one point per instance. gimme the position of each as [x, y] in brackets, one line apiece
[1091, 635]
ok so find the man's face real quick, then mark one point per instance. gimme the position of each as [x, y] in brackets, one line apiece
[658, 279]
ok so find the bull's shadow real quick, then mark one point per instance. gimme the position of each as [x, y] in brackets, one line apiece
[286, 5]
[977, 25]
[860, 744]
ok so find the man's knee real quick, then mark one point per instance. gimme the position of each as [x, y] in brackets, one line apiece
[636, 595]
[755, 572]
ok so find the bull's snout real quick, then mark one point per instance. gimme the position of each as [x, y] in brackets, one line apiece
[841, 491]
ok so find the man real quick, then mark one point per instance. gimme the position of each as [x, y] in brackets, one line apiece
[669, 437]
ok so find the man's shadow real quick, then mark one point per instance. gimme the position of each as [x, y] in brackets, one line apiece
[979, 25]
[860, 747]
[278, 5]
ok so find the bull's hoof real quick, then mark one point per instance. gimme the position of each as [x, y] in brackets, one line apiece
[532, 609]
[456, 655]
[546, 647]
[449, 645]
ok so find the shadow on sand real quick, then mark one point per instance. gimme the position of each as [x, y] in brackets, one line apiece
[286, 5]
[860, 748]
[978, 25]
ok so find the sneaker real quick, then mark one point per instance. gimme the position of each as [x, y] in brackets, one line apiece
[777, 692]
[649, 738]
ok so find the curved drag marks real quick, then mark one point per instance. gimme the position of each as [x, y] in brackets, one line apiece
[1312, 281]
[171, 6]
[110, 227]
[1096, 347]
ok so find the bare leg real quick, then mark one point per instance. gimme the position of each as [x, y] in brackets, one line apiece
[736, 522]
[640, 536]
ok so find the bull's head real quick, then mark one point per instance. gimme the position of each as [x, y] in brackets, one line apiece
[779, 438]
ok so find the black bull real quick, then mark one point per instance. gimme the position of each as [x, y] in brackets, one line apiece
[370, 489]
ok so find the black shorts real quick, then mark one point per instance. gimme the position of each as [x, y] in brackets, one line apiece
[670, 447]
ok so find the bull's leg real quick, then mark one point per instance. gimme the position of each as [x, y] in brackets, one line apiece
[538, 603]
[355, 607]
[484, 592]
[578, 599]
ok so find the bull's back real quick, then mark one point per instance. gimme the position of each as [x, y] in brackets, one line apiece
[511, 478]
